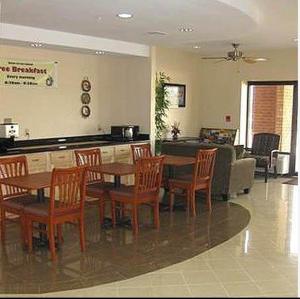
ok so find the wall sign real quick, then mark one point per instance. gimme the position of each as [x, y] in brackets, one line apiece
[19, 73]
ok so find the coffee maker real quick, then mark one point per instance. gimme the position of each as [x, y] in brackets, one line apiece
[8, 133]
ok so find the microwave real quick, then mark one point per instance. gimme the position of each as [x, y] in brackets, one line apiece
[126, 132]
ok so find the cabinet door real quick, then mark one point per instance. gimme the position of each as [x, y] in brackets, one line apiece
[62, 159]
[108, 156]
[123, 155]
[38, 162]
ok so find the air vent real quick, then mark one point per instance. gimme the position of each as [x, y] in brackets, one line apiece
[157, 33]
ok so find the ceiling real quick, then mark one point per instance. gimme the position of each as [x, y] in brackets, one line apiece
[255, 24]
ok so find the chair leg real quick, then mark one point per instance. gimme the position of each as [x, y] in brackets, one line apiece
[82, 234]
[156, 214]
[113, 212]
[2, 224]
[188, 202]
[193, 202]
[29, 234]
[101, 210]
[171, 200]
[59, 233]
[51, 235]
[208, 198]
[135, 225]
[23, 229]
[275, 171]
[266, 173]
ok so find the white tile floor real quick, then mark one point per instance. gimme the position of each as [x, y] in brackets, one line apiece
[259, 261]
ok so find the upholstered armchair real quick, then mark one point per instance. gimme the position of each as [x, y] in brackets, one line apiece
[265, 151]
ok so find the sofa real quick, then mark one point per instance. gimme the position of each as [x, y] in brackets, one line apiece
[231, 175]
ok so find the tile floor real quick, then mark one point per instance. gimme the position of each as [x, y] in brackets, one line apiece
[261, 261]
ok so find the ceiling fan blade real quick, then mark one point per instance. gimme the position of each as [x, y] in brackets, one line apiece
[221, 60]
[214, 58]
[254, 59]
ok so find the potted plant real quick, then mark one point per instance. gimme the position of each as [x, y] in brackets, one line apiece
[175, 130]
[161, 107]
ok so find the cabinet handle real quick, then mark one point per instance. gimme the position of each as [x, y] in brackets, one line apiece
[35, 160]
[61, 157]
[104, 152]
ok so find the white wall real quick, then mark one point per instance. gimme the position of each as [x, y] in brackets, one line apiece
[220, 83]
[120, 94]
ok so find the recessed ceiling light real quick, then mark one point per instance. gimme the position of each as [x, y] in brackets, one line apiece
[124, 15]
[36, 45]
[261, 59]
[99, 18]
[186, 29]
[196, 47]
[99, 52]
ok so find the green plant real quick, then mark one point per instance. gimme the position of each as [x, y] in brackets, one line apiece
[161, 104]
[175, 129]
[161, 107]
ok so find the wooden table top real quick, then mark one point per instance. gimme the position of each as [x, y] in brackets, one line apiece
[178, 160]
[31, 181]
[115, 168]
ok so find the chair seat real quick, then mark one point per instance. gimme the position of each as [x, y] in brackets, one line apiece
[128, 192]
[186, 181]
[261, 161]
[19, 202]
[42, 209]
[98, 189]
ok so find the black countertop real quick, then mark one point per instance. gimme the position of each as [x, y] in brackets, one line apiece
[65, 143]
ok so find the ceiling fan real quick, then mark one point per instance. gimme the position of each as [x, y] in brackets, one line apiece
[237, 55]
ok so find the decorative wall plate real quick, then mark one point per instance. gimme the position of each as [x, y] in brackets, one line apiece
[85, 98]
[86, 85]
[85, 111]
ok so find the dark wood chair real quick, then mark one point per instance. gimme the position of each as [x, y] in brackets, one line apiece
[66, 204]
[264, 149]
[200, 180]
[140, 151]
[97, 189]
[13, 199]
[145, 191]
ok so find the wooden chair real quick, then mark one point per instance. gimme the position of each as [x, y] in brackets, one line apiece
[140, 151]
[145, 191]
[66, 204]
[96, 188]
[200, 180]
[13, 199]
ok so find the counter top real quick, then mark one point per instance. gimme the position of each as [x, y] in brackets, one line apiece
[66, 143]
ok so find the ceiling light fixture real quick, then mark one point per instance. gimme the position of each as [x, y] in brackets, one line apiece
[157, 33]
[99, 52]
[36, 45]
[196, 47]
[186, 29]
[124, 15]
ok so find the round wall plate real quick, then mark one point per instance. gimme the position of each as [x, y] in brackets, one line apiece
[85, 111]
[86, 85]
[85, 98]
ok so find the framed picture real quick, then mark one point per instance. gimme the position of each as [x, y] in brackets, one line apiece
[175, 94]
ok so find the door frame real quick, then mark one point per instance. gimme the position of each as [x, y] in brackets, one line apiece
[292, 153]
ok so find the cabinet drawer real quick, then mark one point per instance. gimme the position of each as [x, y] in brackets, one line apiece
[62, 159]
[107, 154]
[123, 150]
[37, 162]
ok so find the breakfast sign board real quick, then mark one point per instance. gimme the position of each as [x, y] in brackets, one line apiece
[21, 73]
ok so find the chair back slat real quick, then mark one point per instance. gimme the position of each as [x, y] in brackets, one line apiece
[140, 151]
[264, 143]
[204, 165]
[89, 158]
[148, 174]
[67, 189]
[12, 167]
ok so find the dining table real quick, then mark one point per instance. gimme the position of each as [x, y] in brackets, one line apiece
[34, 181]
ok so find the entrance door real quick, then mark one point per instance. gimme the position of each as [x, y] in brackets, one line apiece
[272, 108]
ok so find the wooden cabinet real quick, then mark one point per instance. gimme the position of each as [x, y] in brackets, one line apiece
[108, 156]
[62, 159]
[37, 162]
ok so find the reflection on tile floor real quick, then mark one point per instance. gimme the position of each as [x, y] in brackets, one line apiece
[114, 255]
